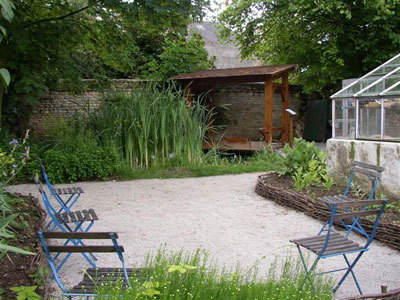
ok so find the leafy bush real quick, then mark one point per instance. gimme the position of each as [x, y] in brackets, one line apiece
[190, 276]
[306, 163]
[84, 164]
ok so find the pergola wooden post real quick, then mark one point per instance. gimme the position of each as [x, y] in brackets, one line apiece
[188, 94]
[268, 120]
[285, 105]
[268, 129]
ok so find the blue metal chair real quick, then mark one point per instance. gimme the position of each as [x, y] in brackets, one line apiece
[73, 194]
[374, 174]
[331, 243]
[93, 276]
[68, 222]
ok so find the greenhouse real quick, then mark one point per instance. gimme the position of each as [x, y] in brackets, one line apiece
[368, 108]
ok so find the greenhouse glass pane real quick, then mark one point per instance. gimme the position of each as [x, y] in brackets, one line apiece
[369, 119]
[370, 78]
[392, 120]
[344, 124]
[392, 90]
[381, 84]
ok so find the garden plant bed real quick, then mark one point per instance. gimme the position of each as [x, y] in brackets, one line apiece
[281, 191]
[25, 270]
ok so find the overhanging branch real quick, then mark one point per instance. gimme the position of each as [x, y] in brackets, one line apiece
[66, 15]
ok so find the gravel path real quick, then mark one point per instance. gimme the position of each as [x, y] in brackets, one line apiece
[220, 214]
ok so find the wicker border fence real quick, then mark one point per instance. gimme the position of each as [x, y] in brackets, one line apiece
[388, 233]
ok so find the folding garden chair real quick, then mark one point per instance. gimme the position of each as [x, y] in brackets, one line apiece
[68, 222]
[374, 174]
[333, 244]
[93, 276]
[72, 193]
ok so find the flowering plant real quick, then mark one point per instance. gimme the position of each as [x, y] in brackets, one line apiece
[11, 163]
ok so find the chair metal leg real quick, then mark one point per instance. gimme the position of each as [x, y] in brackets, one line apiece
[308, 271]
[349, 270]
[353, 274]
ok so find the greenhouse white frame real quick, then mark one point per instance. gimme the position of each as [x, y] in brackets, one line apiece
[379, 88]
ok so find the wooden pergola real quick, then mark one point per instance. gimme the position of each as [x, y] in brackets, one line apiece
[272, 76]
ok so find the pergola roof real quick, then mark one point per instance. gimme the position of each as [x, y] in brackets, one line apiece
[235, 75]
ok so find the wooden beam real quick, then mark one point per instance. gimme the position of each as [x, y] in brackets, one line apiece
[268, 120]
[285, 105]
[188, 94]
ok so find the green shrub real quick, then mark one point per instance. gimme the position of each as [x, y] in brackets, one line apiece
[306, 163]
[84, 164]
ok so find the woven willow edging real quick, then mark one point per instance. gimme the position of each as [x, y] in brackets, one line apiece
[387, 233]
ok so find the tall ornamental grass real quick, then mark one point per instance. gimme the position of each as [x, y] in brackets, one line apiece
[151, 125]
[190, 276]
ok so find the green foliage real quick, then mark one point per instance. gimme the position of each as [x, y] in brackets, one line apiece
[11, 162]
[180, 55]
[84, 163]
[300, 155]
[7, 13]
[328, 181]
[179, 275]
[306, 163]
[53, 44]
[6, 234]
[329, 40]
[26, 292]
[152, 126]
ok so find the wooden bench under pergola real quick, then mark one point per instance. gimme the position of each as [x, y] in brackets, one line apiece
[272, 76]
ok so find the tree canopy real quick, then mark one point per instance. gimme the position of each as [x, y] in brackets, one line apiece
[329, 40]
[54, 41]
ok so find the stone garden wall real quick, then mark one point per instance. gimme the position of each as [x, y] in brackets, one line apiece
[64, 104]
[341, 153]
[243, 118]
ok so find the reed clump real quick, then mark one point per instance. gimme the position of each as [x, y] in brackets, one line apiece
[152, 126]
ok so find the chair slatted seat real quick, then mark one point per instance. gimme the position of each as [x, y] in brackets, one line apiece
[68, 191]
[77, 216]
[337, 244]
[68, 221]
[332, 243]
[93, 277]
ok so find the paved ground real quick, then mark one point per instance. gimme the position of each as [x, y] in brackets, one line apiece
[220, 214]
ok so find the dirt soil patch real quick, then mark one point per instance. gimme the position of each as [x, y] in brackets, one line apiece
[23, 270]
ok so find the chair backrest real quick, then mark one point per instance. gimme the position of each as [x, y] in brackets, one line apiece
[353, 211]
[115, 247]
[374, 174]
[49, 208]
[46, 179]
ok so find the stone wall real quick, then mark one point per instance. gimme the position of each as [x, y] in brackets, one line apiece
[341, 153]
[244, 115]
[243, 118]
[63, 105]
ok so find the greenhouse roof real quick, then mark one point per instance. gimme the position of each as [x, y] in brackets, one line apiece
[384, 81]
